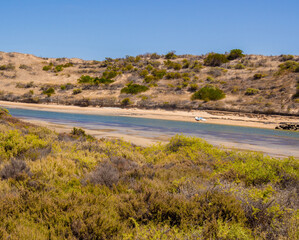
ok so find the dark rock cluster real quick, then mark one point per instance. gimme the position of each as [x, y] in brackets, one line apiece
[288, 126]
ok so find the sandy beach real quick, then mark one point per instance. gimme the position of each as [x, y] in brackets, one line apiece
[213, 117]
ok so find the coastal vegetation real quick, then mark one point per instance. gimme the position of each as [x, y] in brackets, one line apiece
[73, 186]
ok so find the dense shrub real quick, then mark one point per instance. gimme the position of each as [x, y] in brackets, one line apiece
[186, 63]
[58, 68]
[171, 55]
[290, 66]
[143, 73]
[173, 65]
[110, 189]
[125, 102]
[78, 132]
[193, 87]
[207, 93]
[284, 57]
[258, 76]
[251, 91]
[77, 91]
[133, 88]
[149, 78]
[173, 75]
[25, 67]
[158, 73]
[215, 59]
[8, 67]
[239, 66]
[47, 68]
[234, 54]
[49, 91]
[85, 79]
[155, 56]
[110, 74]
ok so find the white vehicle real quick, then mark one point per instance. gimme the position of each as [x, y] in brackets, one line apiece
[200, 119]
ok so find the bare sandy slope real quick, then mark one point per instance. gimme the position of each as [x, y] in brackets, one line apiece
[260, 121]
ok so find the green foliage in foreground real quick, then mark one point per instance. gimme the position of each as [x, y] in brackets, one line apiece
[207, 93]
[66, 186]
[133, 88]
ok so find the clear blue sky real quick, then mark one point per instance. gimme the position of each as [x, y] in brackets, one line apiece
[93, 29]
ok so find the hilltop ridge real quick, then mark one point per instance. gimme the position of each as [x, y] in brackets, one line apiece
[227, 82]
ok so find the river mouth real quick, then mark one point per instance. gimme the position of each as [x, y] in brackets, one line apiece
[145, 131]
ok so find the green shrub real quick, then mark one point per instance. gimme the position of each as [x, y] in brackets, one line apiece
[125, 102]
[239, 66]
[68, 65]
[8, 67]
[47, 68]
[133, 88]
[208, 92]
[174, 65]
[25, 67]
[258, 76]
[110, 74]
[85, 79]
[196, 66]
[251, 91]
[97, 81]
[290, 66]
[171, 55]
[158, 73]
[62, 87]
[186, 63]
[215, 59]
[143, 73]
[234, 54]
[78, 132]
[149, 78]
[94, 81]
[154, 56]
[58, 68]
[173, 75]
[149, 67]
[193, 87]
[49, 91]
[77, 91]
[284, 57]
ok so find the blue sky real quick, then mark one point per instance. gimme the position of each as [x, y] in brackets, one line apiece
[93, 29]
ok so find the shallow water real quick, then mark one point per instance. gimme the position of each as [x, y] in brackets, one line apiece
[281, 142]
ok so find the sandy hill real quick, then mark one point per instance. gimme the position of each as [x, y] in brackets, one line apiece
[230, 82]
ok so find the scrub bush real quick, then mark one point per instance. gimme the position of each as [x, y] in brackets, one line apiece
[16, 169]
[215, 59]
[133, 88]
[208, 93]
[258, 76]
[234, 54]
[49, 91]
[77, 91]
[251, 91]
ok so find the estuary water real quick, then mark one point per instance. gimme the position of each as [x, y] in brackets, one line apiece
[273, 142]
